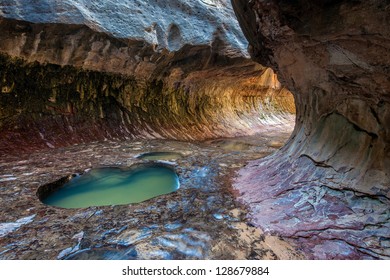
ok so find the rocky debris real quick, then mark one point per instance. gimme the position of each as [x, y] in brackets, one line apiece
[328, 188]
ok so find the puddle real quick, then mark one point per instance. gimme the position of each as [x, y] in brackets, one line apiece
[231, 145]
[104, 254]
[6, 228]
[110, 186]
[161, 156]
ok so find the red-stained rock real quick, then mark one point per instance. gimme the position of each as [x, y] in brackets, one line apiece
[127, 91]
[328, 189]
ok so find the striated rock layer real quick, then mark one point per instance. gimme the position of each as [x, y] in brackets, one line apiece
[63, 84]
[164, 24]
[328, 189]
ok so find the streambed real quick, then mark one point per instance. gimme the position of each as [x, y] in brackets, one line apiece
[201, 220]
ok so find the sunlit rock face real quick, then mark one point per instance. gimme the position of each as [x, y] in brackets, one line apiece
[161, 25]
[77, 71]
[329, 187]
[164, 24]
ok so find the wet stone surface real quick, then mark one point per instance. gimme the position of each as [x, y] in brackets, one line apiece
[202, 220]
[160, 156]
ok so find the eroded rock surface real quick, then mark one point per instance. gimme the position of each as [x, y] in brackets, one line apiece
[73, 74]
[164, 24]
[50, 106]
[329, 187]
[102, 73]
[201, 220]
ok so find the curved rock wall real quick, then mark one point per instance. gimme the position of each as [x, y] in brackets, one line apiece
[52, 106]
[329, 187]
[64, 84]
[164, 24]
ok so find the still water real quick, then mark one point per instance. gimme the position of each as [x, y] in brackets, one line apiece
[160, 156]
[114, 186]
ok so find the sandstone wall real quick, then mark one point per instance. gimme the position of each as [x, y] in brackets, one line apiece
[63, 84]
[164, 24]
[329, 187]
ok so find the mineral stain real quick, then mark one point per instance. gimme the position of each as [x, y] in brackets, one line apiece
[114, 186]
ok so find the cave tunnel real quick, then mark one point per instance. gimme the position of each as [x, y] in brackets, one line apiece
[78, 96]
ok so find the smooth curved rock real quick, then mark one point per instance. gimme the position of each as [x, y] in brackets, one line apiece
[197, 22]
[76, 85]
[329, 187]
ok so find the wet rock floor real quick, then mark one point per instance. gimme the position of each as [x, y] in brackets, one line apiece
[202, 220]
